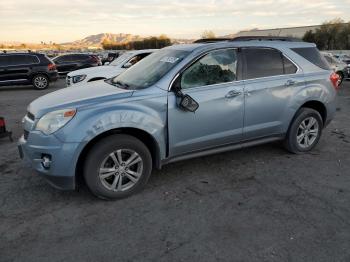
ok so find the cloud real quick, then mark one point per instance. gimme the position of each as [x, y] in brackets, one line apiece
[78, 17]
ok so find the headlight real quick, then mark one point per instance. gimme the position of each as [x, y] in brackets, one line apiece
[53, 121]
[78, 78]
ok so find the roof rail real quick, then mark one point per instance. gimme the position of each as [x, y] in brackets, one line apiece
[211, 40]
[266, 38]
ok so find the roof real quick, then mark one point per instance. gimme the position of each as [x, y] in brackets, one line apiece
[227, 44]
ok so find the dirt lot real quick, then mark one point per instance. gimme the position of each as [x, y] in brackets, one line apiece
[259, 204]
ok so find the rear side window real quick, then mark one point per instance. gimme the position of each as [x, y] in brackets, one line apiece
[262, 62]
[14, 60]
[265, 62]
[289, 67]
[79, 58]
[4, 60]
[312, 55]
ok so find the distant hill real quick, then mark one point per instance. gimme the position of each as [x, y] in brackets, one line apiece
[96, 40]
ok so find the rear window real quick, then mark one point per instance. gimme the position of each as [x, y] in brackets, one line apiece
[312, 55]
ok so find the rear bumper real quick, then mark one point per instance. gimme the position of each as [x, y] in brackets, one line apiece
[53, 76]
[61, 170]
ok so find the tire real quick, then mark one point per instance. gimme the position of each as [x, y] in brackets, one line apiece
[300, 128]
[110, 177]
[40, 82]
[341, 78]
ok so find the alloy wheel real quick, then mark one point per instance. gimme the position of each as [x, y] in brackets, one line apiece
[121, 170]
[308, 132]
[40, 82]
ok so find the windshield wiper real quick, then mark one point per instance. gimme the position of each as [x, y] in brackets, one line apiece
[123, 85]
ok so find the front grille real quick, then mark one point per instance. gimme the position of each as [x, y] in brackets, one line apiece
[25, 134]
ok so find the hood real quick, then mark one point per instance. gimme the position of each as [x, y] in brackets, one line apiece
[90, 93]
[98, 71]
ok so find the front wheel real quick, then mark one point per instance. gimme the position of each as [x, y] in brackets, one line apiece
[304, 132]
[40, 81]
[117, 166]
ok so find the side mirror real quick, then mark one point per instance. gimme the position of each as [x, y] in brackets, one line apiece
[187, 103]
[127, 65]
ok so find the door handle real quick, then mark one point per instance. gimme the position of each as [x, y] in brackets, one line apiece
[232, 94]
[290, 83]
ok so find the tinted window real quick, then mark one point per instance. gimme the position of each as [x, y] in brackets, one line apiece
[13, 60]
[263, 62]
[77, 58]
[4, 60]
[214, 68]
[289, 67]
[312, 55]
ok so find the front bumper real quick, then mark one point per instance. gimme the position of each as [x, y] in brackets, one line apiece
[61, 170]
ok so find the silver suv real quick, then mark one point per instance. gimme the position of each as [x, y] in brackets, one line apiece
[180, 102]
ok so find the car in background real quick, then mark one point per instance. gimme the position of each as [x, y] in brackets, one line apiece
[69, 62]
[337, 66]
[27, 69]
[110, 57]
[180, 102]
[115, 68]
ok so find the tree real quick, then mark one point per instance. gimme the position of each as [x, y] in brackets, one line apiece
[207, 34]
[332, 35]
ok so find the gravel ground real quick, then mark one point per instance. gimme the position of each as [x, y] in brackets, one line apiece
[258, 204]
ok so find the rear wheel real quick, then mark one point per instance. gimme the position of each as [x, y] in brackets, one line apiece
[40, 81]
[305, 131]
[117, 166]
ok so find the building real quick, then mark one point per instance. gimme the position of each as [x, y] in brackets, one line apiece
[297, 32]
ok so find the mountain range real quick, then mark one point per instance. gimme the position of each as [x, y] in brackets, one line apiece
[96, 40]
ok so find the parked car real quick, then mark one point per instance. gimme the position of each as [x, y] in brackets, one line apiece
[70, 62]
[180, 102]
[338, 67]
[118, 66]
[27, 69]
[345, 59]
[110, 57]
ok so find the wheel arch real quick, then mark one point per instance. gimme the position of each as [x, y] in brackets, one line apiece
[140, 134]
[318, 106]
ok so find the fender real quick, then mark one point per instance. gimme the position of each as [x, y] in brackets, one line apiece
[312, 91]
[92, 122]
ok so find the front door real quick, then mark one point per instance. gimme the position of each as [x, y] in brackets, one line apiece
[213, 82]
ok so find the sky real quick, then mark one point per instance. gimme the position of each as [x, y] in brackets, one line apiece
[68, 20]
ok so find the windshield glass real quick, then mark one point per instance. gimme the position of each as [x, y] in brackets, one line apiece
[122, 58]
[150, 69]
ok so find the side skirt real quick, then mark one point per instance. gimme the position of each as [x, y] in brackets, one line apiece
[222, 149]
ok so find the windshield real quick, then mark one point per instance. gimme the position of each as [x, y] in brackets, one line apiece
[121, 58]
[150, 69]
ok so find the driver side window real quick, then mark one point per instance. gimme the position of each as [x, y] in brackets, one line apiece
[214, 68]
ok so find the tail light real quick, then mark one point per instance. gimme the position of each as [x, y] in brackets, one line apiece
[2, 123]
[51, 67]
[334, 77]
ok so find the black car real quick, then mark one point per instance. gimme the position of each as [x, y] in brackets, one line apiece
[70, 62]
[27, 69]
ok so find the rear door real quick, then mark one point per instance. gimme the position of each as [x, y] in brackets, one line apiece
[270, 81]
[214, 82]
[64, 63]
[18, 67]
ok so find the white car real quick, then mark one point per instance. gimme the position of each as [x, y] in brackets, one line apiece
[115, 68]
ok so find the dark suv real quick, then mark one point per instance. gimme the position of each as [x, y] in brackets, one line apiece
[70, 62]
[27, 68]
